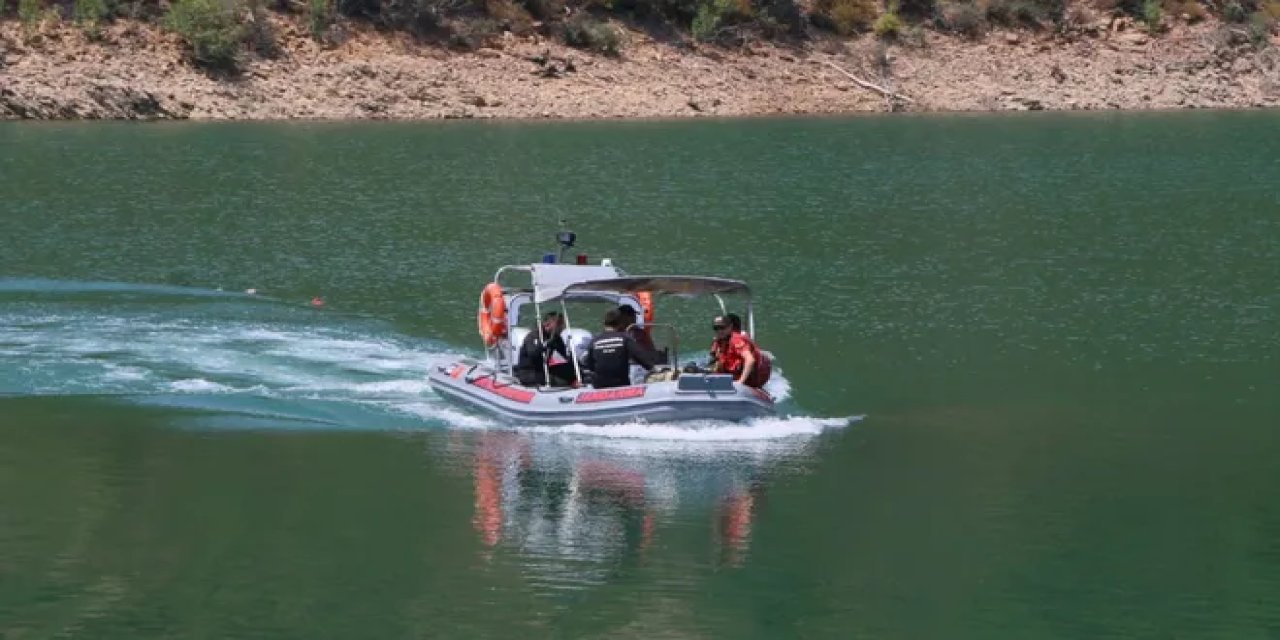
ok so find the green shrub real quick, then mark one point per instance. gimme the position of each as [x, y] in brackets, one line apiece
[714, 14]
[136, 9]
[1234, 12]
[29, 13]
[1260, 26]
[1152, 14]
[888, 25]
[319, 18]
[584, 32]
[89, 14]
[705, 23]
[845, 17]
[211, 32]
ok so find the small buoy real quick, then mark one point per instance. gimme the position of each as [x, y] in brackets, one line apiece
[317, 301]
[251, 291]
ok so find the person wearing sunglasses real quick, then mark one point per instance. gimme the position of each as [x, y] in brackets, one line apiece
[733, 352]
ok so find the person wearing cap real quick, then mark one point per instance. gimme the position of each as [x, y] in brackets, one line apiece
[545, 346]
[611, 352]
[733, 352]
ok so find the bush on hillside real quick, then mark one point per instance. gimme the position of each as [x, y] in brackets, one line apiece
[319, 18]
[545, 9]
[844, 17]
[420, 17]
[1261, 24]
[510, 16]
[146, 10]
[585, 32]
[211, 32]
[29, 12]
[962, 18]
[89, 15]
[779, 17]
[1026, 13]
[473, 33]
[1152, 14]
[260, 33]
[913, 9]
[888, 26]
[1192, 9]
[712, 15]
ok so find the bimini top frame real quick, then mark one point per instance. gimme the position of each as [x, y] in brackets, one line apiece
[561, 282]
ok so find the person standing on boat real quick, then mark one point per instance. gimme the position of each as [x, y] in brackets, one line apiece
[545, 347]
[733, 352]
[611, 352]
[631, 318]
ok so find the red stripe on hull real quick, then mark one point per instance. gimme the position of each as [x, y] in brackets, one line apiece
[510, 393]
[606, 395]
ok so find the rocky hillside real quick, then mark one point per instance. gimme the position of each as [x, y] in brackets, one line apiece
[281, 66]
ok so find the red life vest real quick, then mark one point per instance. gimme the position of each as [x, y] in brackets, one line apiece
[729, 356]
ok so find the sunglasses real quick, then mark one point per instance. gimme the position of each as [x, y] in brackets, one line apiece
[717, 327]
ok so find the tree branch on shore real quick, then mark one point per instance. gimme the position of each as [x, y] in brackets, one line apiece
[870, 86]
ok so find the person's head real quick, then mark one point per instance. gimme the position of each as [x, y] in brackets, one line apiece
[553, 322]
[628, 314]
[726, 324]
[613, 319]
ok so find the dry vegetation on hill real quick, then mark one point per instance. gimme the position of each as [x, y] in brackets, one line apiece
[627, 58]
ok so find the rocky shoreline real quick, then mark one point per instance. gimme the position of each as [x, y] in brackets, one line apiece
[134, 70]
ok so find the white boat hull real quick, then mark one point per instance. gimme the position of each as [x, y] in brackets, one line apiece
[689, 397]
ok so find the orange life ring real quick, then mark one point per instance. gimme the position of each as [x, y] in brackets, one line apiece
[492, 316]
[646, 305]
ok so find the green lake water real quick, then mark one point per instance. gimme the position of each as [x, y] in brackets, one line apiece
[1030, 370]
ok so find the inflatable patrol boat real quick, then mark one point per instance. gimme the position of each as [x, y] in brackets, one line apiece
[665, 395]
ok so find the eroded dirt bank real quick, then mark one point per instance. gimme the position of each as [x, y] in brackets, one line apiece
[136, 70]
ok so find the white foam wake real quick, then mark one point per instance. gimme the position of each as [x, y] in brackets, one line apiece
[305, 363]
[771, 428]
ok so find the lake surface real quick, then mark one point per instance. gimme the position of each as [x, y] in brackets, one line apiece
[1031, 370]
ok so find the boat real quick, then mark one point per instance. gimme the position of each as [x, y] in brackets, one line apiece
[668, 394]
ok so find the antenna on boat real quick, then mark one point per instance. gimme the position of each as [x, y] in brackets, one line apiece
[565, 238]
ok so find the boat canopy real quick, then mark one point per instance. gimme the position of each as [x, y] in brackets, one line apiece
[687, 286]
[556, 281]
[551, 280]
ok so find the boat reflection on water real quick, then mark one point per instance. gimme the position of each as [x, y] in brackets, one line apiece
[575, 506]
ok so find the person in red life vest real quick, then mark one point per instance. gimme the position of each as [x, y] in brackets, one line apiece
[733, 352]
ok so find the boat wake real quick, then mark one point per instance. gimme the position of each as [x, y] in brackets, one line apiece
[230, 360]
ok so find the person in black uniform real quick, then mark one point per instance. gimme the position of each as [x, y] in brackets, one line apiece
[630, 321]
[611, 352]
[533, 352]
